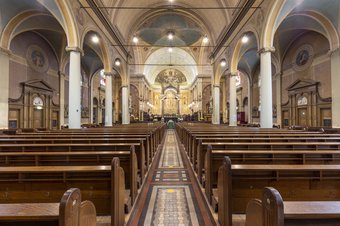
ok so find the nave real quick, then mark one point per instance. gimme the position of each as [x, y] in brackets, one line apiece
[171, 194]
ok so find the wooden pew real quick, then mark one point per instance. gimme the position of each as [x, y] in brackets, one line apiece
[196, 143]
[214, 159]
[203, 147]
[88, 138]
[104, 185]
[238, 184]
[80, 147]
[273, 211]
[70, 211]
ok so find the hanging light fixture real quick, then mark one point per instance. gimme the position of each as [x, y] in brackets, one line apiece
[117, 62]
[170, 35]
[245, 39]
[135, 39]
[95, 39]
[205, 39]
[170, 50]
[223, 63]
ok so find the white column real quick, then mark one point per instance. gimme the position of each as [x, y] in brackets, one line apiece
[61, 99]
[278, 100]
[266, 92]
[216, 104]
[74, 108]
[108, 99]
[224, 100]
[4, 88]
[335, 81]
[125, 105]
[232, 101]
[250, 103]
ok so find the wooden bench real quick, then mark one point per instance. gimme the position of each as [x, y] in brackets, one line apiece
[214, 159]
[238, 184]
[81, 147]
[203, 147]
[88, 138]
[104, 185]
[273, 211]
[70, 211]
[196, 143]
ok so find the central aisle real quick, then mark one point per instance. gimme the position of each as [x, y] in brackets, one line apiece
[171, 195]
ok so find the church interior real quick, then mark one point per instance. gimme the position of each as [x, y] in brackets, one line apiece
[169, 112]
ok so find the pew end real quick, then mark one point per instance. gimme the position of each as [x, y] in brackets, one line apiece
[224, 187]
[69, 209]
[87, 214]
[117, 194]
[254, 213]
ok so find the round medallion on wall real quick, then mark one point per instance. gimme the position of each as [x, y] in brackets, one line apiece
[303, 57]
[37, 58]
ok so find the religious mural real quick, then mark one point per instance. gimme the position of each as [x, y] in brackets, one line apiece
[171, 77]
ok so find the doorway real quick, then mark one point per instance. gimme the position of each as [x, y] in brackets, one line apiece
[38, 121]
[302, 116]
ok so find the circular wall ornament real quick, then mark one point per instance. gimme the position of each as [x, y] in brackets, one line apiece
[37, 58]
[303, 57]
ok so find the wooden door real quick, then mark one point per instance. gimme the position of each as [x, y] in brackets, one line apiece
[285, 119]
[326, 117]
[38, 121]
[55, 121]
[13, 119]
[302, 116]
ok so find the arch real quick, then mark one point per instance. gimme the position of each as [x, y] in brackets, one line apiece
[103, 47]
[331, 32]
[7, 34]
[269, 28]
[280, 11]
[236, 55]
[68, 24]
[71, 27]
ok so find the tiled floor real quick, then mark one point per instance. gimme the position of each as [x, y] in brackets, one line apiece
[171, 196]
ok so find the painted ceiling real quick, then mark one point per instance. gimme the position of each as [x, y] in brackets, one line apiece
[155, 31]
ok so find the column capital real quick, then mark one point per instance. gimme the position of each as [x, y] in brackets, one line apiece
[5, 51]
[125, 86]
[279, 74]
[74, 49]
[233, 74]
[333, 51]
[216, 86]
[109, 74]
[266, 50]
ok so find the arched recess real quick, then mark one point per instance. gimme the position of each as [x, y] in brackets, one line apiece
[241, 48]
[62, 13]
[104, 50]
[282, 9]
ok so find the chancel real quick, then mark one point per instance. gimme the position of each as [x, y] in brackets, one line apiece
[169, 112]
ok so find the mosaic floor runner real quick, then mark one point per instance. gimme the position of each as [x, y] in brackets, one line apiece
[171, 196]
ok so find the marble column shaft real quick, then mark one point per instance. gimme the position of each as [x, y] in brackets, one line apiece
[108, 99]
[4, 88]
[266, 92]
[216, 104]
[74, 103]
[125, 105]
[232, 101]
